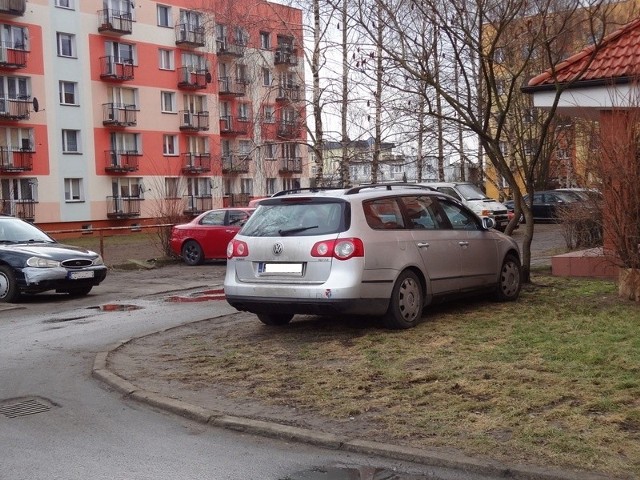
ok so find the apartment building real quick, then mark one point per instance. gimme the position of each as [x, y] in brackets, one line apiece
[119, 112]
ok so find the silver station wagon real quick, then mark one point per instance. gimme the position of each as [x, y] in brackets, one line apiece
[381, 250]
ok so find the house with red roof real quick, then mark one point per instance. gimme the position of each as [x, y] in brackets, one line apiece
[601, 82]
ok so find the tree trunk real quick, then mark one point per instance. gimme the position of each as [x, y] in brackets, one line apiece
[629, 284]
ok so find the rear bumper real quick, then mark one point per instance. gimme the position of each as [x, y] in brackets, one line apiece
[325, 306]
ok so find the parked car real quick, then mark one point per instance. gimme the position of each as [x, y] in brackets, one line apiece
[474, 198]
[385, 250]
[548, 205]
[33, 262]
[207, 235]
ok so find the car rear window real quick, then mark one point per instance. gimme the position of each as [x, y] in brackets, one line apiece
[291, 218]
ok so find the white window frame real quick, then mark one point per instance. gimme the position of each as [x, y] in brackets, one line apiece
[170, 145]
[246, 186]
[60, 37]
[267, 77]
[62, 92]
[73, 191]
[169, 106]
[65, 141]
[65, 4]
[269, 113]
[160, 18]
[244, 112]
[265, 40]
[166, 59]
[171, 187]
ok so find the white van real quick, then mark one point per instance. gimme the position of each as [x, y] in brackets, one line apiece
[474, 198]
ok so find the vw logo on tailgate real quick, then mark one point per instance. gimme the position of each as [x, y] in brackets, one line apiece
[278, 248]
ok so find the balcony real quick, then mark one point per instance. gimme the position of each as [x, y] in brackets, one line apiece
[15, 108]
[24, 209]
[195, 163]
[194, 121]
[189, 35]
[290, 165]
[121, 161]
[15, 160]
[12, 56]
[235, 164]
[230, 86]
[230, 125]
[197, 204]
[238, 200]
[289, 93]
[114, 21]
[286, 56]
[13, 7]
[117, 70]
[191, 79]
[289, 129]
[230, 48]
[118, 115]
[123, 207]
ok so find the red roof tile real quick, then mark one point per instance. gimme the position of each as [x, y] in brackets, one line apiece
[618, 56]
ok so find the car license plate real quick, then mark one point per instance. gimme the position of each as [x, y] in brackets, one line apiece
[80, 275]
[280, 268]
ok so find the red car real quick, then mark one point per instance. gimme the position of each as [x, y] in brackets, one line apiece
[206, 236]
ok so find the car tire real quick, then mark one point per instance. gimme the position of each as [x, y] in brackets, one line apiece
[192, 253]
[274, 319]
[510, 279]
[8, 285]
[406, 303]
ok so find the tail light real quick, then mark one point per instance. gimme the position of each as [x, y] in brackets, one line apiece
[237, 248]
[342, 249]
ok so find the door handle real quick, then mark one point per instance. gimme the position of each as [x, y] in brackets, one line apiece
[463, 244]
[423, 245]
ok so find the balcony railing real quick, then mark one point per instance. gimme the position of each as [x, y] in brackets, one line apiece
[239, 199]
[197, 204]
[288, 129]
[290, 165]
[13, 7]
[13, 159]
[195, 163]
[118, 70]
[230, 48]
[12, 56]
[25, 209]
[232, 86]
[234, 126]
[289, 93]
[121, 161]
[194, 121]
[15, 108]
[118, 115]
[114, 21]
[189, 35]
[192, 79]
[123, 207]
[235, 163]
[286, 56]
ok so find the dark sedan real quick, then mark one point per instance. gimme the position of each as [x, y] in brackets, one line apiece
[548, 205]
[206, 236]
[33, 262]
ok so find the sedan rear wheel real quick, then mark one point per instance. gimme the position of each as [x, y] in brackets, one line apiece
[274, 318]
[192, 253]
[8, 285]
[407, 301]
[510, 280]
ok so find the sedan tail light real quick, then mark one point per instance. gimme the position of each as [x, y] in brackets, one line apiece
[342, 249]
[237, 248]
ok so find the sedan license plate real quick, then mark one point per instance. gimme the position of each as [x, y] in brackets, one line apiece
[280, 268]
[80, 275]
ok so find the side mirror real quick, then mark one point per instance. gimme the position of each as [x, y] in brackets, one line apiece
[488, 222]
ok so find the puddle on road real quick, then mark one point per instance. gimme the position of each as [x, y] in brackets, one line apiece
[117, 307]
[200, 296]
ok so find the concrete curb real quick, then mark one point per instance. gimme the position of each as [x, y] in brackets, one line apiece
[427, 457]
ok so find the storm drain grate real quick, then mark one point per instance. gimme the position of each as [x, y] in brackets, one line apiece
[23, 407]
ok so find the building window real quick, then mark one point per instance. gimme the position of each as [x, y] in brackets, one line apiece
[500, 87]
[164, 16]
[243, 112]
[165, 59]
[529, 116]
[168, 102]
[270, 151]
[66, 45]
[73, 190]
[266, 77]
[246, 186]
[528, 148]
[68, 93]
[269, 114]
[171, 187]
[265, 40]
[64, 4]
[170, 145]
[71, 141]
[271, 186]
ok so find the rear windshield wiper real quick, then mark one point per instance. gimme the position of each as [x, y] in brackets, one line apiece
[291, 231]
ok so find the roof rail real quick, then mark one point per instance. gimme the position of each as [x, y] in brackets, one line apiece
[304, 189]
[388, 186]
